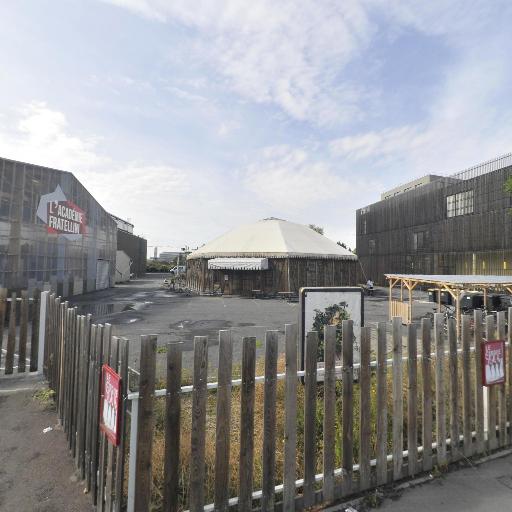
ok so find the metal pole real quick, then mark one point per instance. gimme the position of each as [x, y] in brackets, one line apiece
[42, 330]
[134, 427]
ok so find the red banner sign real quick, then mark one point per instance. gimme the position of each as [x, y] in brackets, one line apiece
[62, 216]
[65, 217]
[493, 362]
[110, 404]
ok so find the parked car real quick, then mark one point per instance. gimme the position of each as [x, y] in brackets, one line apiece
[180, 269]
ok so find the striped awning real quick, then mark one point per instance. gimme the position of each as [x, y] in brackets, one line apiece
[238, 264]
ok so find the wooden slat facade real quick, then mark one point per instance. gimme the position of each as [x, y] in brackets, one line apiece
[411, 233]
[283, 275]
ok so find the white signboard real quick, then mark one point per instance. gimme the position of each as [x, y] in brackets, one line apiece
[330, 306]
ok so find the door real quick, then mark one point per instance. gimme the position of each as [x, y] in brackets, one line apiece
[102, 274]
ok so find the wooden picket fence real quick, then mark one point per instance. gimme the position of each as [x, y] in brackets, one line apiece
[282, 439]
[406, 414]
[75, 351]
[20, 315]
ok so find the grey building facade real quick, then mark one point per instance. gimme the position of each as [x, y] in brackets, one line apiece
[459, 224]
[53, 233]
[136, 248]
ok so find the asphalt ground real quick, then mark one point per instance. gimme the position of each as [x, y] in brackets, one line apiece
[476, 488]
[143, 306]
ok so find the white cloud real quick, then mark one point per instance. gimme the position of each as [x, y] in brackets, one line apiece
[291, 180]
[283, 53]
[40, 135]
[157, 197]
[376, 144]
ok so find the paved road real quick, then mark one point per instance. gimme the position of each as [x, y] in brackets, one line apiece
[487, 487]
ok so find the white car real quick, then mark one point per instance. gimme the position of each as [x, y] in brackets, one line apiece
[181, 269]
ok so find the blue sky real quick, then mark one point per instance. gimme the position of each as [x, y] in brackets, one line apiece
[191, 117]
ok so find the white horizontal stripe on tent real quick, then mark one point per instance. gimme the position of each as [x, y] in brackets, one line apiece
[238, 264]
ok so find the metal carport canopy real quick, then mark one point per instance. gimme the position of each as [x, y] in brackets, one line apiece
[459, 281]
[450, 283]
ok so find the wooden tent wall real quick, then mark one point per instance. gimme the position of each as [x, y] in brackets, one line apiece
[302, 272]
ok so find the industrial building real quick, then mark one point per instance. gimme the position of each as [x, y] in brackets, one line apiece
[456, 224]
[268, 257]
[133, 246]
[53, 233]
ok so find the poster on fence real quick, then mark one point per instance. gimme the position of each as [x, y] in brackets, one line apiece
[110, 404]
[330, 305]
[493, 362]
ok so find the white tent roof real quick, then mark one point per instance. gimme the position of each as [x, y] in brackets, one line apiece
[272, 238]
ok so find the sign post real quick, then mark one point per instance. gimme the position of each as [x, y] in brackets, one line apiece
[493, 362]
[110, 404]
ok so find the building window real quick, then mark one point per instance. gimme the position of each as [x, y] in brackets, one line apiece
[418, 240]
[371, 246]
[459, 204]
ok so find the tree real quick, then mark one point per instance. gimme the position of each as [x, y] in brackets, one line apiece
[316, 228]
[345, 246]
[508, 185]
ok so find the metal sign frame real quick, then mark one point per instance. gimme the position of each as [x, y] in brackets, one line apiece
[303, 292]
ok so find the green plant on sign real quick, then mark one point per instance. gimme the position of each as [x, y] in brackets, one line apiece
[331, 315]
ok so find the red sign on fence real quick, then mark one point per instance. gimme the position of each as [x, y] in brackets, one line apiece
[110, 404]
[493, 362]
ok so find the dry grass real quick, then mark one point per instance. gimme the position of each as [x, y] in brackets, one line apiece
[186, 420]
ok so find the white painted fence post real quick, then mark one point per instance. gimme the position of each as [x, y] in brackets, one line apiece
[42, 331]
[134, 426]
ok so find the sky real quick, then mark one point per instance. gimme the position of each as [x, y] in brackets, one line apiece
[192, 117]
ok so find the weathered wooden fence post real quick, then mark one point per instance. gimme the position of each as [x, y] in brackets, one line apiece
[347, 419]
[121, 449]
[269, 421]
[22, 350]
[490, 333]
[364, 411]
[440, 390]
[247, 424]
[11, 337]
[290, 428]
[398, 403]
[223, 430]
[502, 397]
[466, 388]
[145, 420]
[454, 390]
[329, 411]
[412, 400]
[3, 308]
[479, 391]
[173, 423]
[426, 373]
[198, 433]
[310, 418]
[382, 409]
[36, 329]
[42, 330]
